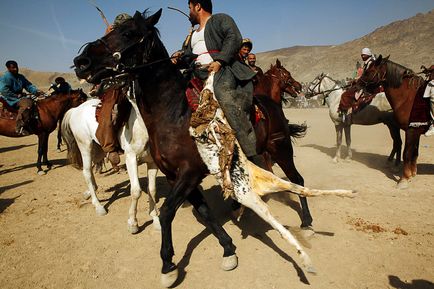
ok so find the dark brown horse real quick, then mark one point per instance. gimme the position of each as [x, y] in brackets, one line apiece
[135, 50]
[403, 89]
[275, 81]
[46, 113]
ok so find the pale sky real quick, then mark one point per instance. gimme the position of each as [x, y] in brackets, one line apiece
[45, 35]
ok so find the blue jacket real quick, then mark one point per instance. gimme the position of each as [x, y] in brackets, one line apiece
[11, 86]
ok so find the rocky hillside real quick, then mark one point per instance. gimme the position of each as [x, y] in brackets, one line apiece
[409, 42]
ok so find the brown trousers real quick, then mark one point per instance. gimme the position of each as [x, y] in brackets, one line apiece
[106, 132]
[23, 114]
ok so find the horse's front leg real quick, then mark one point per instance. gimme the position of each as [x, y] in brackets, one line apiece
[178, 194]
[347, 130]
[338, 129]
[230, 260]
[407, 169]
[41, 139]
[59, 136]
[46, 162]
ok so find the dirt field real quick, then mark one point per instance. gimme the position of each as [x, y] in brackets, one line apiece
[384, 238]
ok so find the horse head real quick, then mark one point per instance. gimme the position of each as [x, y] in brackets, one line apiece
[127, 47]
[374, 74]
[286, 82]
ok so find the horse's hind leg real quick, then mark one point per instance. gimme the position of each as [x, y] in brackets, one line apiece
[347, 130]
[135, 191]
[59, 136]
[152, 191]
[42, 143]
[282, 152]
[91, 184]
[252, 201]
[338, 129]
[230, 260]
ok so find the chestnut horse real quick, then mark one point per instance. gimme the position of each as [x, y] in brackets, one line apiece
[403, 89]
[47, 113]
[275, 81]
[134, 49]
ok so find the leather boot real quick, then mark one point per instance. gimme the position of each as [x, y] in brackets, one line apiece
[114, 160]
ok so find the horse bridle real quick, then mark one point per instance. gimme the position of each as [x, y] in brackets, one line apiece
[282, 77]
[326, 93]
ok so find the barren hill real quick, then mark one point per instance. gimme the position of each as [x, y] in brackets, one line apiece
[409, 42]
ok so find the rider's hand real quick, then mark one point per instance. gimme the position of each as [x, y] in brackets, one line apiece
[175, 56]
[214, 66]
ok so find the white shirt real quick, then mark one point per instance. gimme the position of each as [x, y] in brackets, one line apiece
[429, 90]
[199, 47]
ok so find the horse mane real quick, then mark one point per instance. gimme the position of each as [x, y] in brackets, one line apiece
[395, 73]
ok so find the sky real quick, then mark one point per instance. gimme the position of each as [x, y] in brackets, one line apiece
[46, 35]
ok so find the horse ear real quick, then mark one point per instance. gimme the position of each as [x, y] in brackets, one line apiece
[153, 19]
[378, 60]
[278, 63]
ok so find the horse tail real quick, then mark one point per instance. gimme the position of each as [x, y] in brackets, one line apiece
[297, 130]
[74, 155]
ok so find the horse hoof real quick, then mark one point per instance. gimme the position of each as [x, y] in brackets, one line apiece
[170, 278]
[156, 223]
[230, 263]
[335, 160]
[133, 228]
[100, 211]
[311, 270]
[59, 150]
[41, 173]
[307, 232]
[402, 184]
[348, 160]
[86, 195]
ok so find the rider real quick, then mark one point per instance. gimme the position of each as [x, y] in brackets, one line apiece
[216, 44]
[246, 47]
[429, 92]
[251, 61]
[106, 132]
[12, 84]
[60, 85]
[354, 93]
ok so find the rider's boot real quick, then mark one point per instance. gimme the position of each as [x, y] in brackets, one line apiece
[114, 160]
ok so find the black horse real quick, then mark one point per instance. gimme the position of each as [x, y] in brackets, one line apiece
[134, 50]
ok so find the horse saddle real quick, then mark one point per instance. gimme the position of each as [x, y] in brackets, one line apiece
[7, 111]
[420, 112]
[194, 89]
[120, 107]
[356, 99]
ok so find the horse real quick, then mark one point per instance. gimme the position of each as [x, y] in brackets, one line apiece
[83, 149]
[378, 111]
[275, 81]
[404, 90]
[134, 48]
[47, 113]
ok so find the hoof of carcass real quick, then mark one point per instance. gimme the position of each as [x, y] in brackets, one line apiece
[86, 195]
[307, 232]
[402, 184]
[133, 228]
[100, 211]
[169, 279]
[229, 263]
[41, 173]
[156, 223]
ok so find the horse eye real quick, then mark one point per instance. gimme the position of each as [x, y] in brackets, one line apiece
[127, 34]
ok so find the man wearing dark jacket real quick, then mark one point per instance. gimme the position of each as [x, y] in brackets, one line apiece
[216, 48]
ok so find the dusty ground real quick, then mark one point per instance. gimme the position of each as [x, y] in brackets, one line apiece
[51, 238]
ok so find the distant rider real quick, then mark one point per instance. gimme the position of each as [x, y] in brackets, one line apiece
[429, 93]
[12, 84]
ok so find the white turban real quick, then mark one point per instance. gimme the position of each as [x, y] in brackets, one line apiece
[366, 51]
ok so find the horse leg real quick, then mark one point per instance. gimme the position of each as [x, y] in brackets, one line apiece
[59, 136]
[44, 156]
[338, 129]
[254, 202]
[90, 181]
[415, 154]
[230, 260]
[397, 144]
[152, 191]
[135, 190]
[41, 138]
[182, 187]
[347, 130]
[407, 171]
[282, 152]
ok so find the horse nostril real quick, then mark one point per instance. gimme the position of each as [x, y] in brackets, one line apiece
[82, 63]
